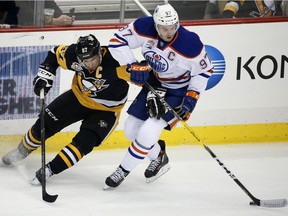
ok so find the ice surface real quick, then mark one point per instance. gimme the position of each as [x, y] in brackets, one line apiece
[195, 185]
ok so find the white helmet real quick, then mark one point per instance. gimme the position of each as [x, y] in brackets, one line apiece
[165, 15]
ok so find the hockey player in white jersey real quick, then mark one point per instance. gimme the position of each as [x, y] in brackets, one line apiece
[181, 68]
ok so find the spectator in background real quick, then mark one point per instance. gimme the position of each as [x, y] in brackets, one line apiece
[26, 15]
[8, 13]
[189, 9]
[255, 8]
[214, 9]
[284, 7]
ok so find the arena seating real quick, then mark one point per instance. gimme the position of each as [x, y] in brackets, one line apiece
[106, 11]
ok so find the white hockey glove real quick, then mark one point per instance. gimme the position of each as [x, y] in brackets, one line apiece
[43, 79]
[155, 108]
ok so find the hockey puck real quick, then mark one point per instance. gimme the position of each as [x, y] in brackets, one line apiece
[252, 203]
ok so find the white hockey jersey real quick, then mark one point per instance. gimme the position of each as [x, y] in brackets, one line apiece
[178, 63]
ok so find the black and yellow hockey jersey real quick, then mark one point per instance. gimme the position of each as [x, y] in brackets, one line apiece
[252, 8]
[105, 89]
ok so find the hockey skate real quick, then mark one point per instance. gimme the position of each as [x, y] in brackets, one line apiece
[116, 178]
[37, 179]
[159, 166]
[16, 155]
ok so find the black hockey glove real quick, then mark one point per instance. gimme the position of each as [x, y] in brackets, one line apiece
[139, 72]
[155, 108]
[43, 79]
[187, 106]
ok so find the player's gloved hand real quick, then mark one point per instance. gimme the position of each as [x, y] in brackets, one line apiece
[139, 72]
[155, 108]
[187, 106]
[43, 79]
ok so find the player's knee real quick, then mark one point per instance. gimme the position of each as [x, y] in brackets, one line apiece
[131, 127]
[154, 134]
[85, 141]
[130, 134]
[36, 130]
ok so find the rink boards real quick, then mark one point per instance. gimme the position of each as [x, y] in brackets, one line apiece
[246, 100]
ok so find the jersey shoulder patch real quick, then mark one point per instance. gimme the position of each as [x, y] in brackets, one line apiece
[144, 26]
[66, 55]
[107, 58]
[187, 43]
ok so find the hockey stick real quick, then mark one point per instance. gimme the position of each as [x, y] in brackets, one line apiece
[274, 203]
[45, 196]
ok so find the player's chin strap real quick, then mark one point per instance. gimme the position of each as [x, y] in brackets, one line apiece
[275, 203]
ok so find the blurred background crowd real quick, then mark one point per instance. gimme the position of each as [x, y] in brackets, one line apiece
[20, 13]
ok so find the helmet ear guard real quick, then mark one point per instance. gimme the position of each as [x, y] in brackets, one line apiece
[165, 15]
[87, 47]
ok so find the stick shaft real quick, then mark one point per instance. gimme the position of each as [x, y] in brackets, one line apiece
[43, 151]
[45, 196]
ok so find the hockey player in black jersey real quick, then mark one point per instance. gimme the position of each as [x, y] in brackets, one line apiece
[252, 8]
[97, 96]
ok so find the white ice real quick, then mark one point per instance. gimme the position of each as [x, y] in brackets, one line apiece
[195, 185]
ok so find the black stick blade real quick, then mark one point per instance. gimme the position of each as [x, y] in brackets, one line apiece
[49, 198]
